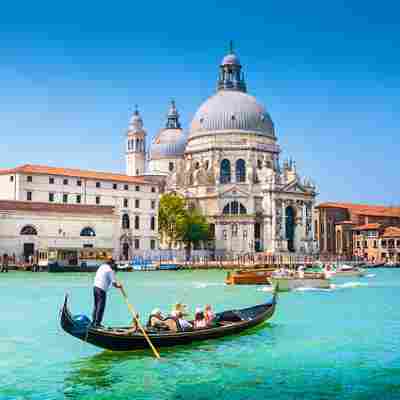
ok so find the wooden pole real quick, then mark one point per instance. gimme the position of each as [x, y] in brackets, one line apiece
[131, 309]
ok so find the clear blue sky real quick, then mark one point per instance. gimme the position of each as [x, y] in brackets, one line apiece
[70, 73]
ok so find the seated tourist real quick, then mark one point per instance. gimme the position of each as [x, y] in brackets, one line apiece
[199, 319]
[209, 316]
[183, 324]
[178, 308]
[156, 320]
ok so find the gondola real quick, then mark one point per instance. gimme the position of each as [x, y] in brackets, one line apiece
[118, 338]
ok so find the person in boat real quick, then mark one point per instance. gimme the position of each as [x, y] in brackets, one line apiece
[182, 323]
[156, 320]
[199, 319]
[104, 279]
[4, 264]
[209, 315]
[178, 308]
[300, 272]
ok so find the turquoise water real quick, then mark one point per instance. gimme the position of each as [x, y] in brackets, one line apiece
[340, 343]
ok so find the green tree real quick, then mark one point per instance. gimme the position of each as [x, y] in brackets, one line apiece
[171, 218]
[195, 229]
[179, 223]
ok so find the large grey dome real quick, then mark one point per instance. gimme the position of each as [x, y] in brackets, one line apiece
[231, 110]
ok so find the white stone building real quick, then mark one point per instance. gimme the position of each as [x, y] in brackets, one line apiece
[45, 207]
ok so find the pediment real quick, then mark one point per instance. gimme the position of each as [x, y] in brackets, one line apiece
[295, 187]
[235, 193]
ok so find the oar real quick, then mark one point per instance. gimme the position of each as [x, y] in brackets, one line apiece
[156, 353]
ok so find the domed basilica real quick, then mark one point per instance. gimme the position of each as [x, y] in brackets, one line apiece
[228, 166]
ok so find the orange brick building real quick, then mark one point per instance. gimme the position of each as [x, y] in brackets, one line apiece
[339, 226]
[377, 243]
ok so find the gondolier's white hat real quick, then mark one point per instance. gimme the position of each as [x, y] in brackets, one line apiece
[198, 310]
[156, 311]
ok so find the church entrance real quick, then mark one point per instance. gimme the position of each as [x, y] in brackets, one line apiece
[290, 227]
[29, 250]
[125, 251]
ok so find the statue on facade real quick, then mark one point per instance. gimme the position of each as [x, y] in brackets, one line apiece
[251, 176]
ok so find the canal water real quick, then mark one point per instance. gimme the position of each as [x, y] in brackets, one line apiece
[341, 343]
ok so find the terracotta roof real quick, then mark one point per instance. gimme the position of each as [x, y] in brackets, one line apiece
[73, 172]
[391, 231]
[367, 227]
[12, 205]
[364, 209]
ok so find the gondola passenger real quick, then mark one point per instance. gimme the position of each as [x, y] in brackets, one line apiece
[199, 319]
[156, 320]
[183, 324]
[209, 316]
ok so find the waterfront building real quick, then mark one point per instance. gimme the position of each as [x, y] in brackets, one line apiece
[335, 225]
[377, 243]
[45, 207]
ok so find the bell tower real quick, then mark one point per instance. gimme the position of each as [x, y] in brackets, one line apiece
[135, 145]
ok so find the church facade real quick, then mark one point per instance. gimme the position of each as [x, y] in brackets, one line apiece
[228, 165]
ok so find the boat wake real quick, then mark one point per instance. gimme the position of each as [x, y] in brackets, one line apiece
[370, 275]
[333, 287]
[203, 285]
[311, 289]
[349, 285]
[265, 289]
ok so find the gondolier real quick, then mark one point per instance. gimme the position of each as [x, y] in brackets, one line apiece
[104, 279]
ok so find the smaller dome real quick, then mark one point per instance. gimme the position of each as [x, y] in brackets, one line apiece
[169, 143]
[230, 59]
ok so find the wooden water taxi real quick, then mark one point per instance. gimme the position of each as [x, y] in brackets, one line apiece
[249, 277]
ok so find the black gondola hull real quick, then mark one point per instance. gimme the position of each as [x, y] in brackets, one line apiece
[113, 339]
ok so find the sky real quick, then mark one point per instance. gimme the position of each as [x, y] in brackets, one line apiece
[328, 74]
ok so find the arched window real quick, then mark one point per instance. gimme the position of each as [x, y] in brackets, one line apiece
[28, 230]
[234, 208]
[225, 174]
[153, 223]
[227, 209]
[125, 221]
[137, 145]
[240, 170]
[88, 232]
[137, 222]
[171, 166]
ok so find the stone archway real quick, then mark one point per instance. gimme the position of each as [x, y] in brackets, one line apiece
[290, 219]
[125, 251]
[125, 247]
